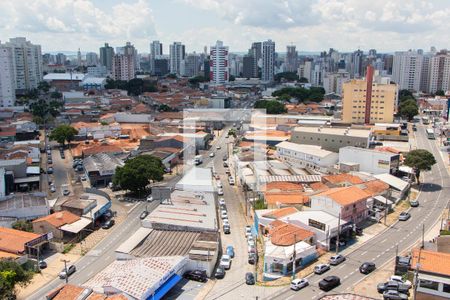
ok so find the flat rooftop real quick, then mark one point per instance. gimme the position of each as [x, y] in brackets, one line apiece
[307, 149]
[316, 215]
[362, 133]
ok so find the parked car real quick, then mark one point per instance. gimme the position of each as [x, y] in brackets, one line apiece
[367, 267]
[392, 285]
[70, 270]
[66, 192]
[197, 275]
[225, 261]
[321, 268]
[211, 154]
[251, 249]
[400, 280]
[225, 164]
[329, 283]
[219, 184]
[414, 203]
[42, 264]
[394, 295]
[224, 158]
[404, 216]
[150, 198]
[220, 272]
[226, 222]
[226, 229]
[143, 215]
[108, 224]
[336, 259]
[50, 170]
[299, 283]
[83, 178]
[221, 201]
[52, 188]
[49, 161]
[220, 192]
[223, 214]
[251, 243]
[248, 231]
[218, 147]
[249, 278]
[230, 251]
[80, 168]
[231, 180]
[252, 258]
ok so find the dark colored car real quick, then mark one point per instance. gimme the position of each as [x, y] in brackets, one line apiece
[252, 258]
[367, 267]
[394, 295]
[42, 264]
[50, 170]
[220, 272]
[329, 283]
[224, 158]
[358, 231]
[197, 275]
[108, 224]
[143, 215]
[249, 278]
[392, 286]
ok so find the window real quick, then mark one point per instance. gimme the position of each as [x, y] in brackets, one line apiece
[446, 288]
[428, 284]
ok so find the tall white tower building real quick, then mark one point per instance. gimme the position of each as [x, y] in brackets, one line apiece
[440, 72]
[407, 70]
[176, 53]
[268, 60]
[219, 72]
[7, 87]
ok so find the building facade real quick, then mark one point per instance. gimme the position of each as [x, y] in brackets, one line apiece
[7, 85]
[123, 67]
[291, 61]
[176, 53]
[268, 61]
[156, 49]
[91, 59]
[369, 101]
[106, 56]
[407, 70]
[219, 69]
[439, 72]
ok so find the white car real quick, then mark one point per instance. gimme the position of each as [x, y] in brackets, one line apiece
[211, 154]
[219, 184]
[150, 199]
[248, 231]
[299, 283]
[224, 214]
[251, 243]
[400, 280]
[218, 147]
[220, 192]
[225, 262]
[226, 222]
[52, 188]
[231, 180]
[221, 201]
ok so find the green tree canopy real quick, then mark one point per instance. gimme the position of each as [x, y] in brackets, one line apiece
[408, 109]
[63, 133]
[23, 225]
[271, 106]
[419, 160]
[303, 80]
[302, 94]
[41, 109]
[286, 76]
[136, 174]
[440, 93]
[11, 273]
[44, 86]
[134, 87]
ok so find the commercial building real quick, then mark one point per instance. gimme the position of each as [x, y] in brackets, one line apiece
[439, 72]
[106, 56]
[333, 82]
[176, 53]
[62, 225]
[191, 65]
[306, 156]
[24, 206]
[15, 243]
[256, 52]
[367, 160]
[156, 50]
[7, 78]
[219, 72]
[65, 81]
[291, 60]
[161, 65]
[347, 203]
[370, 100]
[100, 168]
[407, 70]
[268, 61]
[248, 66]
[27, 63]
[331, 138]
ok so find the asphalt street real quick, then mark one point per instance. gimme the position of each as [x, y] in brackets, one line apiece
[382, 248]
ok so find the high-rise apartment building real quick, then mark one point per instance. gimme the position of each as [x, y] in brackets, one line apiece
[191, 65]
[219, 68]
[27, 63]
[370, 100]
[176, 54]
[439, 79]
[268, 61]
[248, 66]
[106, 56]
[61, 59]
[407, 70]
[357, 64]
[291, 61]
[156, 49]
[7, 85]
[123, 67]
[256, 52]
[91, 59]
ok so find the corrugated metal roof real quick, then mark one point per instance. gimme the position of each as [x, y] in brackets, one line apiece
[291, 178]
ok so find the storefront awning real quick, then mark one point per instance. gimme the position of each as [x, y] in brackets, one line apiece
[77, 226]
[166, 287]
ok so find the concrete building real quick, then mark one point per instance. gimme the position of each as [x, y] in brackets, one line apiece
[256, 52]
[370, 100]
[161, 65]
[60, 59]
[156, 50]
[176, 53]
[91, 59]
[27, 63]
[55, 223]
[7, 78]
[24, 206]
[123, 67]
[100, 168]
[291, 60]
[248, 66]
[367, 160]
[305, 70]
[407, 70]
[333, 82]
[331, 138]
[97, 71]
[106, 56]
[219, 70]
[306, 156]
[191, 65]
[439, 72]
[268, 61]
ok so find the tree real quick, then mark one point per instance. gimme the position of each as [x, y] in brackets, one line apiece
[286, 76]
[271, 106]
[232, 78]
[63, 133]
[408, 109]
[23, 225]
[56, 95]
[419, 160]
[171, 75]
[11, 273]
[136, 174]
[440, 93]
[302, 94]
[303, 80]
[44, 86]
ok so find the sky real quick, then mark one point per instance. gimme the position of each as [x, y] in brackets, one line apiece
[311, 25]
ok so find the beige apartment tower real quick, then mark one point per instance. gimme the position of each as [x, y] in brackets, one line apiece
[370, 100]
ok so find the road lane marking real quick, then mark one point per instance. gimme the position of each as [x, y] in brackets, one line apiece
[363, 253]
[384, 240]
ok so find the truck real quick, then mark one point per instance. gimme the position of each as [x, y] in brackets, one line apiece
[198, 160]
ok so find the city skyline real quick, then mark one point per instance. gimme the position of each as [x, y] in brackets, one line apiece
[341, 24]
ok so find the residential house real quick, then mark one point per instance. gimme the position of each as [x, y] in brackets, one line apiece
[54, 223]
[20, 243]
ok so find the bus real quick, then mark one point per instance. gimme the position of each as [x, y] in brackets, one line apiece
[430, 134]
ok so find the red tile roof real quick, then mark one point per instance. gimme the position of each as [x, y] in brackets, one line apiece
[284, 234]
[69, 292]
[286, 198]
[282, 186]
[342, 178]
[59, 218]
[13, 241]
[374, 187]
[282, 212]
[345, 195]
[318, 186]
[431, 261]
[102, 149]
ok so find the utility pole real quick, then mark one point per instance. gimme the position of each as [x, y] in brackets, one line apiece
[339, 232]
[256, 257]
[423, 235]
[416, 275]
[65, 269]
[294, 258]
